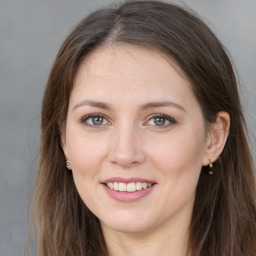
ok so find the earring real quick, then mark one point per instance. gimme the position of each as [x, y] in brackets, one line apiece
[211, 166]
[68, 163]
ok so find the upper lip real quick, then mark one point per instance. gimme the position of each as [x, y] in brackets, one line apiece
[127, 180]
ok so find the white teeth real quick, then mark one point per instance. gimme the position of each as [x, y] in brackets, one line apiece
[129, 187]
[116, 186]
[122, 187]
[138, 186]
[111, 185]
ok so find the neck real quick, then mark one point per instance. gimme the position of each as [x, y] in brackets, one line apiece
[171, 239]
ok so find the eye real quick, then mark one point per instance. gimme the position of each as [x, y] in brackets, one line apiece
[161, 120]
[94, 120]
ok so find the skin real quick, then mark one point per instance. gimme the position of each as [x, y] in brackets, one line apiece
[130, 142]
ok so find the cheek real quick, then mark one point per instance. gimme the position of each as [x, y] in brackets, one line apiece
[86, 153]
[180, 155]
[179, 160]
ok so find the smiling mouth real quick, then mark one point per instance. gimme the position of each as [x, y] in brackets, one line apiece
[128, 187]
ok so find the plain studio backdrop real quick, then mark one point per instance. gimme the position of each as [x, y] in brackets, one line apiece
[30, 34]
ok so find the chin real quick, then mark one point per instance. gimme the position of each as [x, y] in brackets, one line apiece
[127, 224]
[129, 228]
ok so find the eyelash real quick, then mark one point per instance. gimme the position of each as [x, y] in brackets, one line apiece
[162, 116]
[85, 119]
[171, 120]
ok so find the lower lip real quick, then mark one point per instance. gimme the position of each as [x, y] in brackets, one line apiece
[127, 196]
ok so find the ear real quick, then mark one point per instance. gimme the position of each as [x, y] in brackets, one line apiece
[216, 138]
[64, 148]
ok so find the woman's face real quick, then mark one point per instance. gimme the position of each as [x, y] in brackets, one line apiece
[136, 139]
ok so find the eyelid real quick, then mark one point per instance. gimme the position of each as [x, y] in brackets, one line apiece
[170, 119]
[86, 117]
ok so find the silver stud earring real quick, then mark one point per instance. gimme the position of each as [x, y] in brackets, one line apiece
[68, 163]
[211, 166]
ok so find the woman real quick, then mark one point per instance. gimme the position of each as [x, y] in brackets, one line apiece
[144, 148]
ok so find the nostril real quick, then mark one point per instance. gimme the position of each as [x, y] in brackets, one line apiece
[125, 149]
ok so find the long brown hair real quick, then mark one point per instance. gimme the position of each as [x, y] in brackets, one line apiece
[224, 215]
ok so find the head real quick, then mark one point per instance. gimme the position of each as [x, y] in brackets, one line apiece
[199, 63]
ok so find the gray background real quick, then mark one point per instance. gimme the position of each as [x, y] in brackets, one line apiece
[30, 35]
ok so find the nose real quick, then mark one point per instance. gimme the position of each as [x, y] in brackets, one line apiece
[125, 148]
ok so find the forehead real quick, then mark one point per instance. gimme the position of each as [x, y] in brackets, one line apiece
[117, 60]
[131, 72]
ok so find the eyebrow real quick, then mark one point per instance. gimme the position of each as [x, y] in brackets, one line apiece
[92, 103]
[162, 104]
[143, 107]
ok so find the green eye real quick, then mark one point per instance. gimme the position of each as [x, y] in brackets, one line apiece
[94, 120]
[97, 120]
[161, 120]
